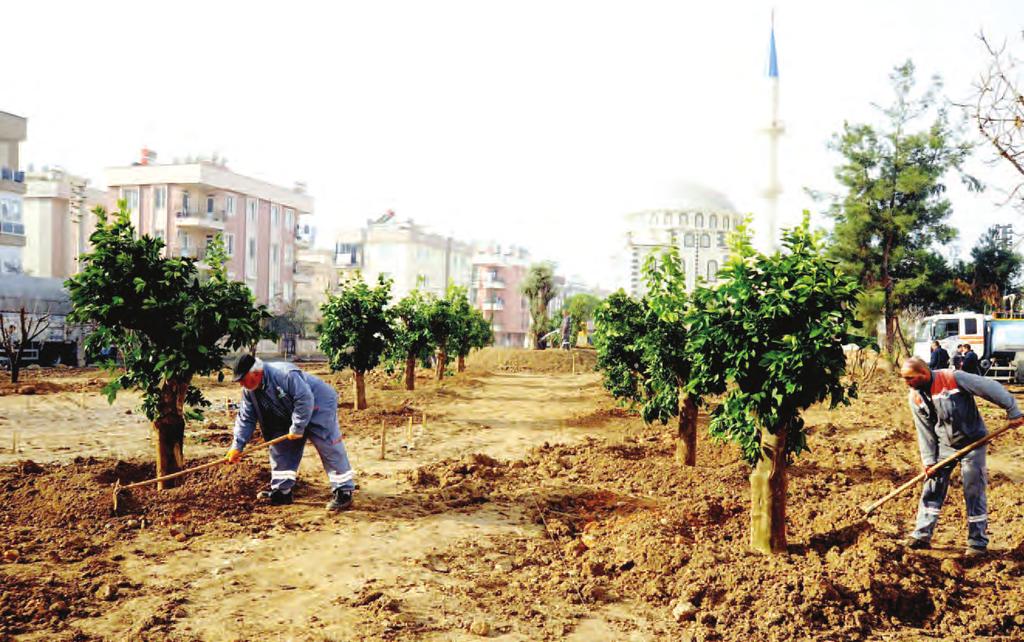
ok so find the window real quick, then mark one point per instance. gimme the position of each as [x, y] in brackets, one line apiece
[229, 205]
[688, 240]
[668, 219]
[970, 326]
[10, 217]
[229, 244]
[946, 328]
[160, 197]
[275, 215]
[721, 239]
[287, 292]
[288, 256]
[712, 271]
[132, 197]
[186, 201]
[251, 254]
[273, 254]
[713, 221]
[251, 207]
[705, 240]
[698, 220]
[159, 234]
[725, 222]
[209, 205]
[684, 219]
[289, 219]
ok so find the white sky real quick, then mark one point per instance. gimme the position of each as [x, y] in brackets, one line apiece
[536, 122]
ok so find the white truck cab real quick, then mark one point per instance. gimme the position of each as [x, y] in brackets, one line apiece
[998, 340]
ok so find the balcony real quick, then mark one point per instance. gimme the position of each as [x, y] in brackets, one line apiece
[492, 305]
[12, 180]
[497, 327]
[197, 253]
[194, 220]
[492, 284]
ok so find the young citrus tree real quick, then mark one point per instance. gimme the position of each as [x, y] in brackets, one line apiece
[412, 339]
[444, 318]
[474, 332]
[168, 323]
[664, 352]
[356, 329]
[770, 337]
[641, 351]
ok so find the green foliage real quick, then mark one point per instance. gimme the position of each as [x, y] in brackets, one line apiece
[539, 288]
[444, 319]
[994, 270]
[894, 206]
[619, 326]
[356, 328]
[770, 337]
[642, 345]
[411, 330]
[166, 321]
[581, 308]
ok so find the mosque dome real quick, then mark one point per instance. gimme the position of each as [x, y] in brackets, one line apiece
[682, 196]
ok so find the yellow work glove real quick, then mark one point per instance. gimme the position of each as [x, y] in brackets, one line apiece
[233, 456]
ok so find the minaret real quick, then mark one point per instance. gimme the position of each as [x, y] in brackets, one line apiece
[774, 131]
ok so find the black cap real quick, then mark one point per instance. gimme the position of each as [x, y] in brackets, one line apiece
[242, 366]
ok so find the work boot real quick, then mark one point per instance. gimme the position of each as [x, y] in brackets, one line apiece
[975, 552]
[917, 544]
[341, 500]
[275, 497]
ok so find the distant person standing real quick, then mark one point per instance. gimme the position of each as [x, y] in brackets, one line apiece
[940, 358]
[970, 360]
[958, 358]
[566, 330]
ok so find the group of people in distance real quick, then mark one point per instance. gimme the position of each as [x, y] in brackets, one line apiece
[965, 359]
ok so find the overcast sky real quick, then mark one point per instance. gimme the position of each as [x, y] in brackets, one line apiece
[540, 123]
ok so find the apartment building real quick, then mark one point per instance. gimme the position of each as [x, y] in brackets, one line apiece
[12, 189]
[498, 273]
[59, 219]
[315, 276]
[409, 254]
[188, 204]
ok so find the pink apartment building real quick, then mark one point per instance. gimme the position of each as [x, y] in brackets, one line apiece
[188, 204]
[495, 290]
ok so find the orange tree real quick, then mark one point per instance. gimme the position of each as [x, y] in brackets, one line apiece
[167, 320]
[770, 338]
[356, 329]
[641, 351]
[412, 339]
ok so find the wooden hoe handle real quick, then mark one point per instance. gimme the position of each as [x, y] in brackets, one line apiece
[209, 464]
[948, 460]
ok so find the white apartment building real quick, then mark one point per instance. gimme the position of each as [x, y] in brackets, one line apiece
[188, 204]
[59, 219]
[407, 253]
[13, 130]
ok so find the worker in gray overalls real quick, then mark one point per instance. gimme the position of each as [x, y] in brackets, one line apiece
[285, 400]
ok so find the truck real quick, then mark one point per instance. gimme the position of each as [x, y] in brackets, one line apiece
[997, 338]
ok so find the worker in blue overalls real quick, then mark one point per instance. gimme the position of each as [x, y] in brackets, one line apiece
[285, 400]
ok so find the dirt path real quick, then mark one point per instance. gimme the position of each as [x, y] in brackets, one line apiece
[297, 580]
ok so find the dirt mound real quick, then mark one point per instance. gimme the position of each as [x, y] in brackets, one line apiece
[622, 521]
[58, 524]
[538, 361]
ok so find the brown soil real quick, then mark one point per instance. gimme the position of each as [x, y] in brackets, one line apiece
[531, 507]
[537, 361]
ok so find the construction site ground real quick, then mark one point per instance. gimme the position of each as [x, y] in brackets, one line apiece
[522, 504]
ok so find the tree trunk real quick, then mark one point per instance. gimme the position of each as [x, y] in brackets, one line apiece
[686, 446]
[462, 363]
[359, 381]
[15, 369]
[410, 371]
[442, 362]
[170, 430]
[768, 494]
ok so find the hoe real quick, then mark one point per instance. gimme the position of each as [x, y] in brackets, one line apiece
[120, 490]
[870, 508]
